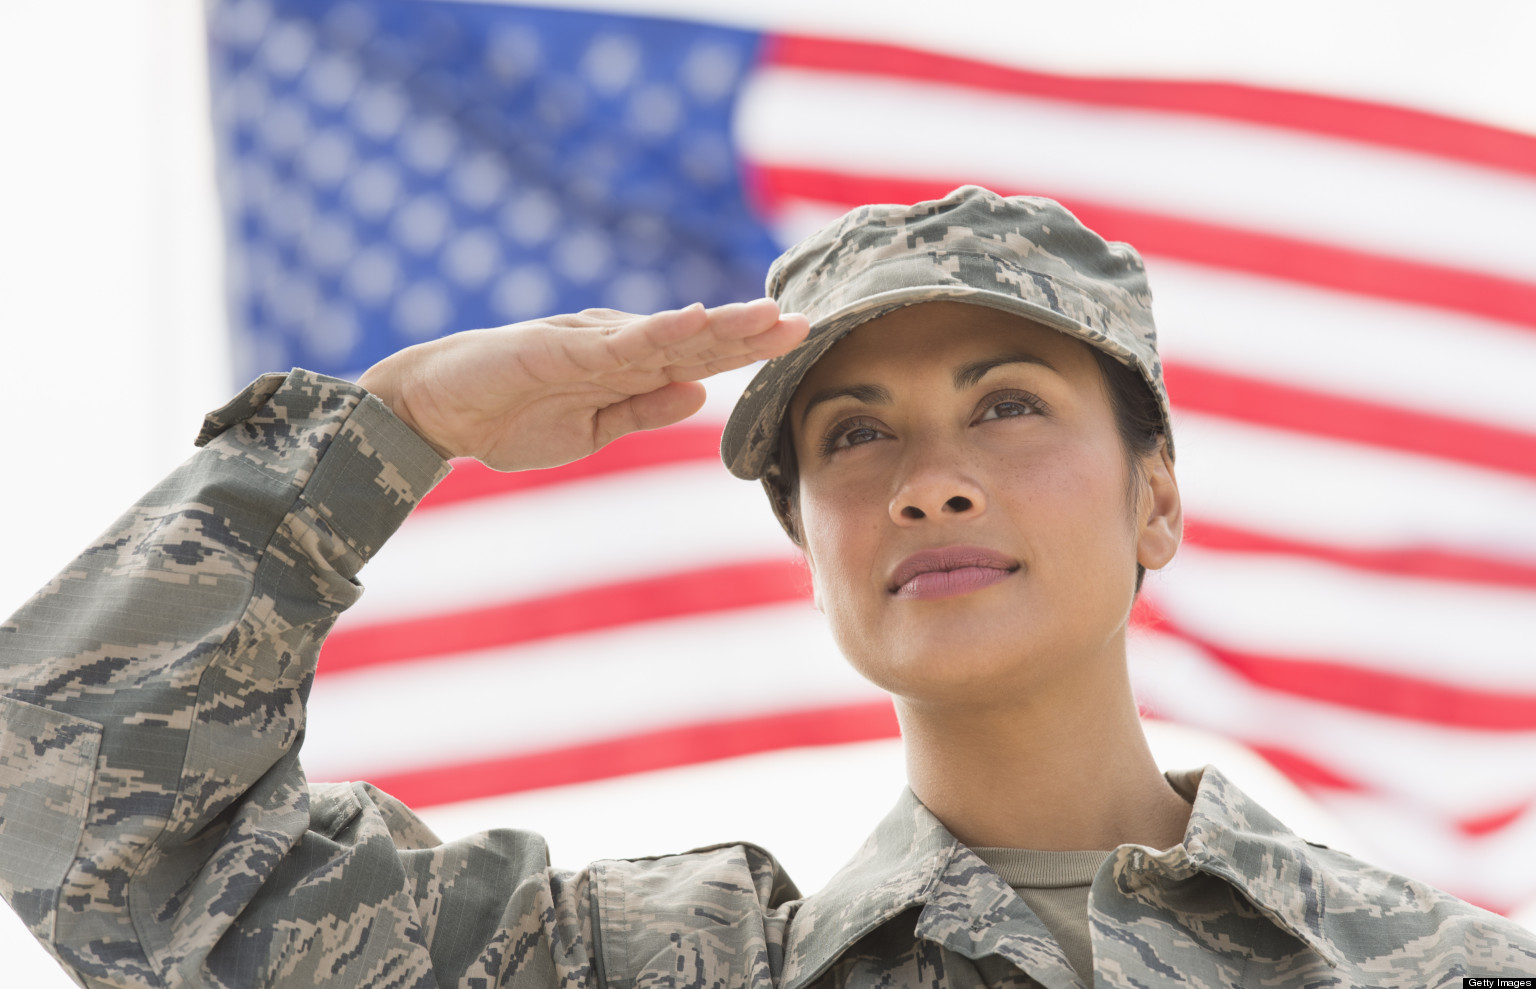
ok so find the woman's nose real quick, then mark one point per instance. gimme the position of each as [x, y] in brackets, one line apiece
[936, 492]
[957, 505]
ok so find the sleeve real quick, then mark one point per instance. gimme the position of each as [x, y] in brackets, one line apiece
[156, 828]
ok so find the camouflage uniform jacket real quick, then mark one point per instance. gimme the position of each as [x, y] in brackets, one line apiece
[156, 828]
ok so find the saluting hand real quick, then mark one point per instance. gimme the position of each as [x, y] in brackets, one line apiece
[549, 391]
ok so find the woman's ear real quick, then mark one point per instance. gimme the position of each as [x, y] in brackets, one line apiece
[810, 564]
[1161, 521]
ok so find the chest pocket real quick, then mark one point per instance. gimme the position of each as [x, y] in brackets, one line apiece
[713, 918]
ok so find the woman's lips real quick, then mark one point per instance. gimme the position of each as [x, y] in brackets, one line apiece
[948, 572]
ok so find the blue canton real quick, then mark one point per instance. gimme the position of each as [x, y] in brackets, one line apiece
[394, 171]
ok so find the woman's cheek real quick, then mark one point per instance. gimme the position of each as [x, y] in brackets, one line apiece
[842, 537]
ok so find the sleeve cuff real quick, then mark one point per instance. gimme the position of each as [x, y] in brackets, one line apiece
[375, 472]
[343, 452]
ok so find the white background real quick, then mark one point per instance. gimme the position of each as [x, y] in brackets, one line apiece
[112, 337]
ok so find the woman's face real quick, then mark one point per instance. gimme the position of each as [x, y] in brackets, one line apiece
[967, 503]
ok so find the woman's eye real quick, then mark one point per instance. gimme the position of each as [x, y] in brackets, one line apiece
[1008, 408]
[857, 435]
[848, 434]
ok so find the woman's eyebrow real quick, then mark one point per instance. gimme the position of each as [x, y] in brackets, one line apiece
[869, 394]
[967, 375]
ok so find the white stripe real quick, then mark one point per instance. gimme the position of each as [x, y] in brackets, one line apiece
[1457, 634]
[1348, 494]
[1456, 773]
[1315, 188]
[796, 217]
[576, 689]
[861, 780]
[617, 527]
[1425, 359]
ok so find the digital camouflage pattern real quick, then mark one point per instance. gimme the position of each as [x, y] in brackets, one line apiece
[1022, 254]
[156, 828]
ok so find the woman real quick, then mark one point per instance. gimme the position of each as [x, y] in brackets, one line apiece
[967, 437]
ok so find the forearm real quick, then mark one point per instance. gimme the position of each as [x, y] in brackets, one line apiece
[158, 682]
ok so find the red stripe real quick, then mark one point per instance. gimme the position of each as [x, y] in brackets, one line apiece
[1486, 824]
[588, 609]
[681, 443]
[1318, 413]
[1420, 562]
[684, 745]
[1355, 120]
[1305, 772]
[1375, 691]
[1210, 244]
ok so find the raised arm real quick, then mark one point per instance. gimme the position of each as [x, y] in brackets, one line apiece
[155, 825]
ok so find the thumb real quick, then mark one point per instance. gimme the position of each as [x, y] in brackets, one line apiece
[670, 403]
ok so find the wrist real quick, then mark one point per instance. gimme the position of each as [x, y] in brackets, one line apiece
[383, 383]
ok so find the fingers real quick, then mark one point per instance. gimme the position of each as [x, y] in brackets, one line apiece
[652, 410]
[689, 342]
[695, 343]
[752, 331]
[780, 338]
[740, 320]
[787, 333]
[732, 321]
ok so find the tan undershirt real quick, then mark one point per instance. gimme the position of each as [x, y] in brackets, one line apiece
[1055, 886]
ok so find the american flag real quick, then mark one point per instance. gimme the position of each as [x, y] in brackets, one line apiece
[1346, 295]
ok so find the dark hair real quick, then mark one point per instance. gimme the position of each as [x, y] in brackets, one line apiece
[1137, 416]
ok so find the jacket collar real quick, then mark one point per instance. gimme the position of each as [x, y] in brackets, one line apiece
[895, 869]
[1232, 837]
[912, 860]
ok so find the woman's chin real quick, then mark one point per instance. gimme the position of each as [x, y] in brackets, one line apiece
[953, 669]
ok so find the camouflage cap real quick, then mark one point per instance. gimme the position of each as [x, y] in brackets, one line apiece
[1021, 254]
